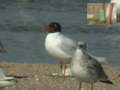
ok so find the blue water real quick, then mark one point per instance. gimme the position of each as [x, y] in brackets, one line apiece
[21, 25]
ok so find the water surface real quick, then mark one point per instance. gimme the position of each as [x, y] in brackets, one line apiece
[21, 25]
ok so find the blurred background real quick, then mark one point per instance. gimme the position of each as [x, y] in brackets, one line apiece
[103, 13]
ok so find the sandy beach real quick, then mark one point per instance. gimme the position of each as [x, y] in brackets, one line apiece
[39, 77]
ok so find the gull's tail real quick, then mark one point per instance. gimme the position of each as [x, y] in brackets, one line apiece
[17, 77]
[108, 82]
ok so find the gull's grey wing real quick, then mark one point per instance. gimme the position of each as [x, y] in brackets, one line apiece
[101, 60]
[96, 68]
[68, 45]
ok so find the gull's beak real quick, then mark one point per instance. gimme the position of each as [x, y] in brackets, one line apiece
[47, 29]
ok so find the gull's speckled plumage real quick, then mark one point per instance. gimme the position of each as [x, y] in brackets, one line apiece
[87, 68]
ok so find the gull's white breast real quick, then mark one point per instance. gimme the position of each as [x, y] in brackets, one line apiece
[59, 47]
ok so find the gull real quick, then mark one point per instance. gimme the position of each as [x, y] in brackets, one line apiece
[6, 80]
[60, 46]
[86, 68]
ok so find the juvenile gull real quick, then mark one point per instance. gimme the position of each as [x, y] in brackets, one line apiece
[60, 46]
[87, 68]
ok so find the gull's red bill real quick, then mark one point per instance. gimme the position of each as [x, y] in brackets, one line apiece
[48, 29]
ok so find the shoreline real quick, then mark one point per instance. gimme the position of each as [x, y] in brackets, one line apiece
[18, 62]
[39, 79]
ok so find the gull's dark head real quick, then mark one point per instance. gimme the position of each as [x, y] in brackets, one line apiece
[82, 45]
[53, 27]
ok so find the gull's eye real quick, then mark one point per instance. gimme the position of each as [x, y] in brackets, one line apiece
[81, 46]
[55, 25]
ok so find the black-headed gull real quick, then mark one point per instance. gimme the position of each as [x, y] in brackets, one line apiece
[60, 46]
[86, 68]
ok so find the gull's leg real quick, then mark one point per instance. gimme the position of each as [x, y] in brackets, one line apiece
[106, 87]
[65, 66]
[61, 66]
[92, 86]
[80, 85]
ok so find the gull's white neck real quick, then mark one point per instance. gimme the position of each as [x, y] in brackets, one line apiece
[53, 34]
[77, 57]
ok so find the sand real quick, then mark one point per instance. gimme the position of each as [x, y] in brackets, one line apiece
[39, 77]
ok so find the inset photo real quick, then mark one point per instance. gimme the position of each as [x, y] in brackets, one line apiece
[103, 14]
